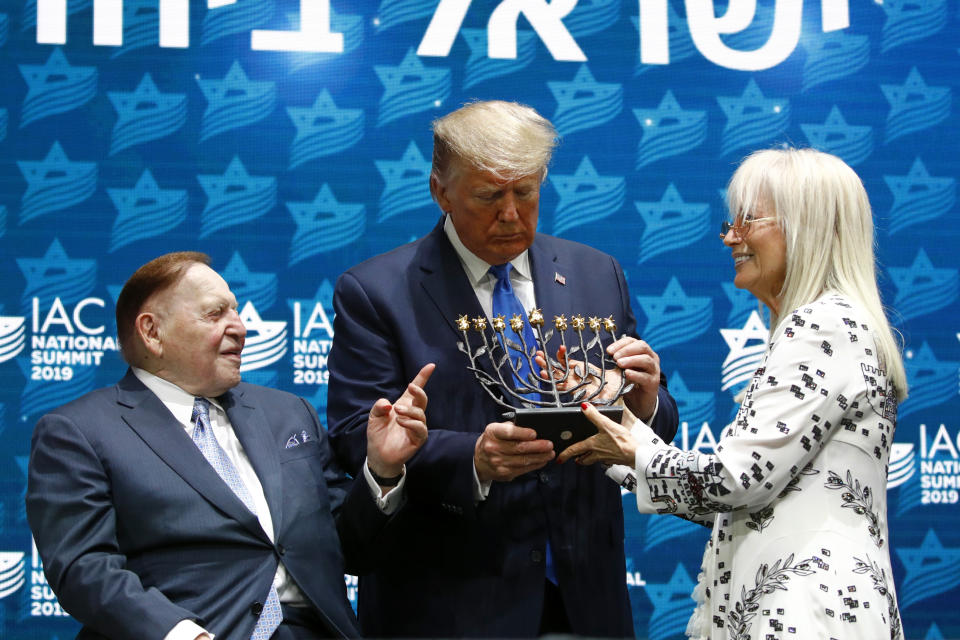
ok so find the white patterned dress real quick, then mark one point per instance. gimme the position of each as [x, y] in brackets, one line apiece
[796, 491]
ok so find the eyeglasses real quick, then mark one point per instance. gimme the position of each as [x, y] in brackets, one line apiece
[740, 227]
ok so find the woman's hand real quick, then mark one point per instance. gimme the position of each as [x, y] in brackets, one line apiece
[614, 444]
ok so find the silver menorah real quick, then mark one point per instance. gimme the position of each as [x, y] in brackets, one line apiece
[557, 389]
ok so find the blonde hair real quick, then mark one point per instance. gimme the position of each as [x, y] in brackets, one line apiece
[822, 208]
[507, 139]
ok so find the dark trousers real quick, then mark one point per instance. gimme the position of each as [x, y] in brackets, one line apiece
[554, 619]
[301, 623]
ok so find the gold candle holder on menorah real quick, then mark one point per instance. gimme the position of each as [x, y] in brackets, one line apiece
[550, 404]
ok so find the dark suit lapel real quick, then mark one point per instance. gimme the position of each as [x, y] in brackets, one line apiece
[550, 280]
[152, 421]
[251, 427]
[445, 281]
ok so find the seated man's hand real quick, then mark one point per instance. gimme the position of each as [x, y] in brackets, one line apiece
[641, 366]
[505, 451]
[396, 431]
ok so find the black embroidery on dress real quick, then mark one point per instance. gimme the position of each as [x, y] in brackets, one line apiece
[882, 399]
[760, 519]
[879, 577]
[767, 580]
[859, 499]
[792, 485]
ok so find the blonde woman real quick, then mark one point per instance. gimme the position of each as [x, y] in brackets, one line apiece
[796, 490]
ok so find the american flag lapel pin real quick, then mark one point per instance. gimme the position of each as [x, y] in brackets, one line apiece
[559, 278]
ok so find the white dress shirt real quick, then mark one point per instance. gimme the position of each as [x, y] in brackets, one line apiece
[180, 404]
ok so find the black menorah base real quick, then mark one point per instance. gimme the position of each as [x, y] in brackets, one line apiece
[560, 425]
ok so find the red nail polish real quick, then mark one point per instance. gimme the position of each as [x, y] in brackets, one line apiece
[584, 405]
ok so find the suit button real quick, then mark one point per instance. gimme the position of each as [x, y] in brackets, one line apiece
[256, 608]
[536, 555]
[280, 549]
[544, 477]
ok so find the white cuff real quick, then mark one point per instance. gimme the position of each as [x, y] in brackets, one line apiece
[186, 630]
[393, 499]
[480, 489]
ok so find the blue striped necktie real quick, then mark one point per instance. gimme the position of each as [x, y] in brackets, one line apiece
[505, 303]
[270, 616]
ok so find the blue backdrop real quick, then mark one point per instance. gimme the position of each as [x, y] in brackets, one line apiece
[290, 139]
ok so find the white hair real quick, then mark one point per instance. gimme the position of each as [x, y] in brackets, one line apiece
[507, 139]
[822, 208]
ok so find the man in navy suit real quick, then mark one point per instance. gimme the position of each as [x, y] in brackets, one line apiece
[184, 504]
[496, 540]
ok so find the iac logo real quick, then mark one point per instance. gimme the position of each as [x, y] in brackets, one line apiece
[13, 337]
[12, 572]
[266, 340]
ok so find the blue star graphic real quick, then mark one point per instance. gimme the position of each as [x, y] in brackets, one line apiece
[930, 568]
[670, 209]
[411, 168]
[695, 406]
[751, 105]
[583, 89]
[56, 273]
[913, 93]
[921, 271]
[924, 361]
[131, 105]
[825, 136]
[324, 209]
[323, 115]
[668, 596]
[910, 11]
[234, 86]
[584, 180]
[56, 71]
[673, 301]
[56, 167]
[145, 194]
[266, 340]
[406, 181]
[234, 181]
[324, 224]
[258, 287]
[918, 197]
[675, 317]
[411, 72]
[668, 114]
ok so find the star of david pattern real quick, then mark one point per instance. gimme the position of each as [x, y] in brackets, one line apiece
[796, 491]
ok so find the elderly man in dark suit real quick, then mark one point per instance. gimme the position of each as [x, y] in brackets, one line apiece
[184, 504]
[496, 540]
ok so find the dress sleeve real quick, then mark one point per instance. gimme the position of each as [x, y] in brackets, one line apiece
[788, 414]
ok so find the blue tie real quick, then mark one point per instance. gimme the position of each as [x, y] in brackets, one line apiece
[505, 303]
[270, 616]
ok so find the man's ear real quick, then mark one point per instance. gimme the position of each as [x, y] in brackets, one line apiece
[439, 192]
[147, 329]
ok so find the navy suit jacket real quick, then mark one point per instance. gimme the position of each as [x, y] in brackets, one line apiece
[137, 531]
[452, 567]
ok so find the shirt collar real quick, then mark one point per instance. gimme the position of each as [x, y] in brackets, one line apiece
[178, 401]
[476, 268]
